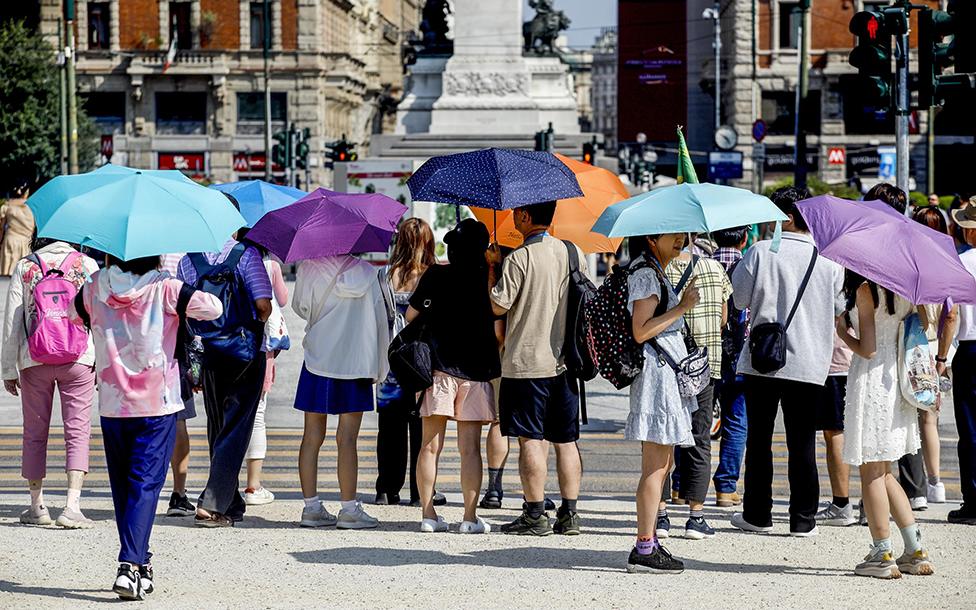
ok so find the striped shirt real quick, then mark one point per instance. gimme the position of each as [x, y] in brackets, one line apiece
[705, 319]
[250, 269]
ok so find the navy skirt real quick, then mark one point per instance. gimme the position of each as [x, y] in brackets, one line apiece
[318, 394]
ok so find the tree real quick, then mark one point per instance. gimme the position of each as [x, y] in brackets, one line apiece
[30, 120]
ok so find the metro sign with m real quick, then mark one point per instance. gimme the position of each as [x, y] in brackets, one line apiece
[837, 155]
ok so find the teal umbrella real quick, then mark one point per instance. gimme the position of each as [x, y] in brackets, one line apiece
[130, 213]
[686, 208]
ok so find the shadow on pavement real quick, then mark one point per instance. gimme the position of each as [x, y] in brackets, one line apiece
[107, 597]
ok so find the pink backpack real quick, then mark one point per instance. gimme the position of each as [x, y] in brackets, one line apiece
[54, 338]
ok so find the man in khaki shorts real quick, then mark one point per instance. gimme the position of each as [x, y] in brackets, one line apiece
[537, 401]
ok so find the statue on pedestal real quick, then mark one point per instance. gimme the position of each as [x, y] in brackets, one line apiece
[540, 34]
[434, 28]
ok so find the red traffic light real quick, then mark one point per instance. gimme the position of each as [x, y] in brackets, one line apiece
[872, 27]
[342, 155]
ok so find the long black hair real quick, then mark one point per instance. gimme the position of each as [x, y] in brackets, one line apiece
[853, 281]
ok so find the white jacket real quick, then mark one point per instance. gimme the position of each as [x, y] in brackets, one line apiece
[346, 335]
[14, 356]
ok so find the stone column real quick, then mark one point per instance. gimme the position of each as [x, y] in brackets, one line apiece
[486, 84]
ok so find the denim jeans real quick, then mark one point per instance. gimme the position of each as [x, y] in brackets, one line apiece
[731, 393]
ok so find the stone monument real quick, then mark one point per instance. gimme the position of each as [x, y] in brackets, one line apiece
[486, 87]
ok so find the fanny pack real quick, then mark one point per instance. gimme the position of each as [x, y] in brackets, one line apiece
[767, 342]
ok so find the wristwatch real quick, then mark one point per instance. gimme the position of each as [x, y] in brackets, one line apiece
[941, 359]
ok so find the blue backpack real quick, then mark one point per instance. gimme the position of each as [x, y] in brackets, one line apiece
[233, 334]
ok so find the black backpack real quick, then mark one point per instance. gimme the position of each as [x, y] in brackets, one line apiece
[576, 351]
[236, 334]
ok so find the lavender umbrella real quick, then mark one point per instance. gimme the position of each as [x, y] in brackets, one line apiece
[326, 223]
[875, 241]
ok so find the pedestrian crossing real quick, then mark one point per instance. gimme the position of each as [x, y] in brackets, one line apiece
[611, 464]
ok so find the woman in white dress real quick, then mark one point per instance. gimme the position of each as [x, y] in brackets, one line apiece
[879, 425]
[659, 416]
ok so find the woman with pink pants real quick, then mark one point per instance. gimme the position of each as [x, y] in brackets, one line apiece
[36, 382]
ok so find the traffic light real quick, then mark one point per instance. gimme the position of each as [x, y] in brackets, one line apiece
[281, 152]
[340, 151]
[872, 54]
[589, 152]
[301, 149]
[935, 55]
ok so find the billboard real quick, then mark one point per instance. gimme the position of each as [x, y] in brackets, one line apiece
[652, 74]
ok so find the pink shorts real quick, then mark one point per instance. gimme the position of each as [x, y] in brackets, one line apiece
[459, 399]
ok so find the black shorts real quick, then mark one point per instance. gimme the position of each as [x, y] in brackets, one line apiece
[830, 407]
[540, 409]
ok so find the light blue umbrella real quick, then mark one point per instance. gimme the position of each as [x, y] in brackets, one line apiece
[258, 197]
[130, 213]
[686, 208]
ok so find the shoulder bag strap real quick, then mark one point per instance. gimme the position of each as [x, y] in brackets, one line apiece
[687, 274]
[803, 288]
[384, 280]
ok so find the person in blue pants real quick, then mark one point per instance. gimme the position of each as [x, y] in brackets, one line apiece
[134, 313]
[731, 388]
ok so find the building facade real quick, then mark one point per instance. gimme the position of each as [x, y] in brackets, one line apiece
[843, 133]
[603, 87]
[336, 69]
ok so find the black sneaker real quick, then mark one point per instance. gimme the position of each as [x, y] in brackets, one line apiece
[660, 561]
[697, 528]
[527, 526]
[567, 524]
[663, 527]
[180, 506]
[492, 499]
[384, 499]
[127, 584]
[550, 505]
[146, 578]
[964, 515]
[439, 499]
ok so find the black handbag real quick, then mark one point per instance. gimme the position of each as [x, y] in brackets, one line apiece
[767, 342]
[410, 357]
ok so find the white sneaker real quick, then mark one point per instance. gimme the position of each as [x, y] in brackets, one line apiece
[40, 516]
[433, 526]
[814, 532]
[936, 493]
[475, 527]
[317, 517]
[919, 503]
[258, 497]
[833, 515]
[74, 520]
[739, 522]
[356, 519]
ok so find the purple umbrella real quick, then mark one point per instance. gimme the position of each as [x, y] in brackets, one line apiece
[326, 223]
[875, 241]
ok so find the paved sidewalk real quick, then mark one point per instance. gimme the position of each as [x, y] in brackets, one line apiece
[269, 562]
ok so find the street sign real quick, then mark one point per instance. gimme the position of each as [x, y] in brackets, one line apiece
[108, 147]
[759, 130]
[837, 155]
[758, 153]
[725, 165]
[886, 164]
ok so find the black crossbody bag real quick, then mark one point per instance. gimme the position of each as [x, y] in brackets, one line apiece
[767, 342]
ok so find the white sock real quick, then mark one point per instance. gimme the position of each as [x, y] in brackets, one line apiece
[74, 500]
[349, 505]
[312, 502]
[37, 499]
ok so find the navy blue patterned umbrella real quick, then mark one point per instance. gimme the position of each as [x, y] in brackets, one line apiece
[494, 178]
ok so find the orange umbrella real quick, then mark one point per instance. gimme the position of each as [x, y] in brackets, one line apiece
[574, 217]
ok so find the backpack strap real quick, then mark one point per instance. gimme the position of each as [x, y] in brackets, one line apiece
[80, 308]
[573, 269]
[803, 288]
[37, 260]
[200, 264]
[234, 256]
[68, 261]
[186, 293]
[382, 276]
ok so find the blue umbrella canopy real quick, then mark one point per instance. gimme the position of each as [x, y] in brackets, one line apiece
[258, 197]
[494, 178]
[686, 208]
[130, 213]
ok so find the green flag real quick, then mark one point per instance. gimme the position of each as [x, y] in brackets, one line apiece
[686, 169]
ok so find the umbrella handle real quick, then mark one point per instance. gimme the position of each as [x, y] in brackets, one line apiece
[457, 214]
[494, 228]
